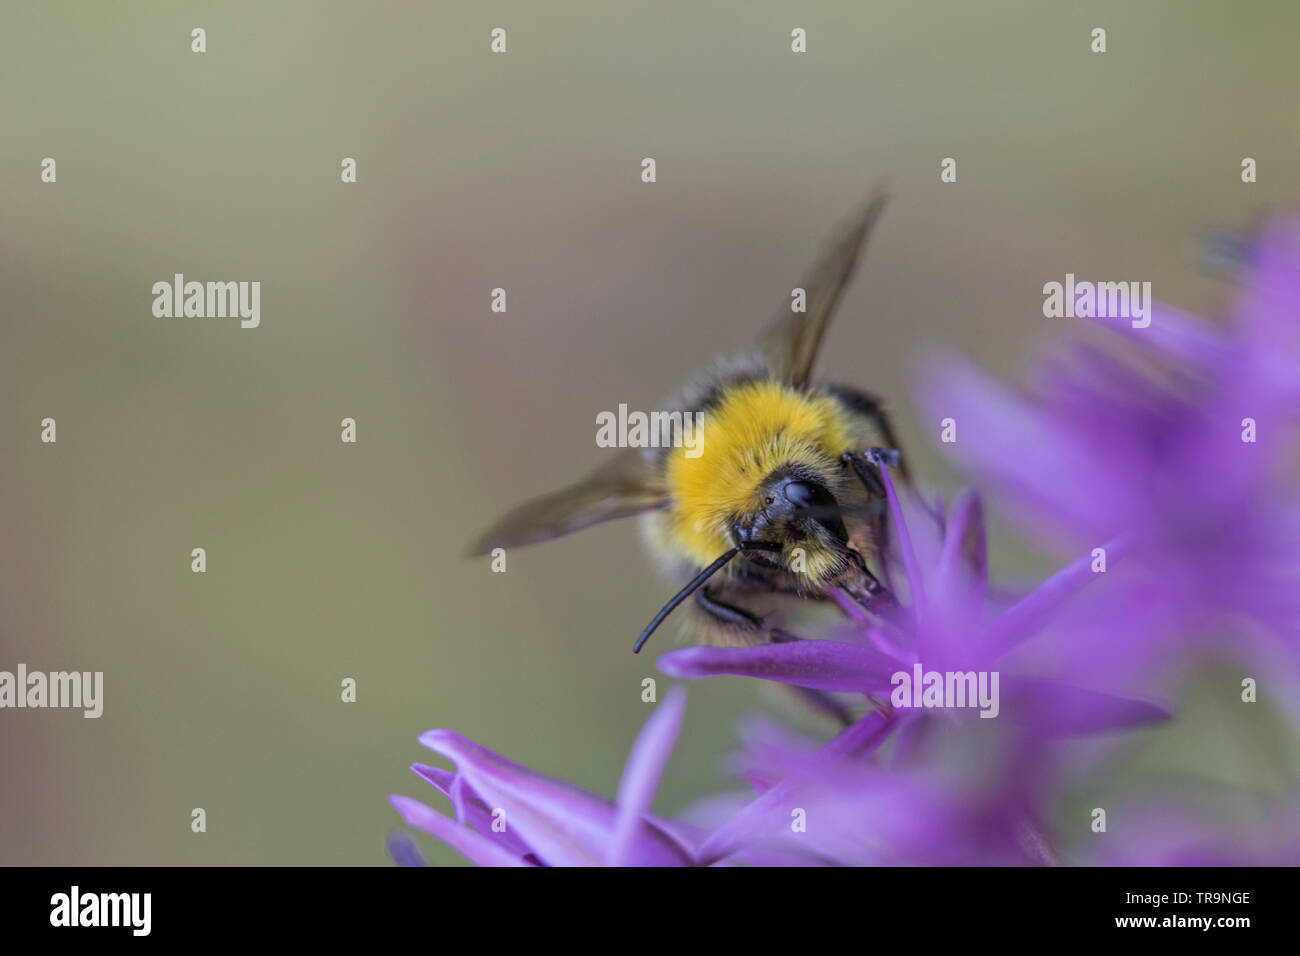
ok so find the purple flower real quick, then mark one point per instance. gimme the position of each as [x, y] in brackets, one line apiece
[951, 625]
[917, 809]
[843, 804]
[1165, 828]
[1176, 436]
[518, 817]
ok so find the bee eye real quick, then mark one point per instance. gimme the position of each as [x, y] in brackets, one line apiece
[770, 500]
[801, 494]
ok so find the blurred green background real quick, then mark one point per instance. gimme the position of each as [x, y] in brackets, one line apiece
[327, 560]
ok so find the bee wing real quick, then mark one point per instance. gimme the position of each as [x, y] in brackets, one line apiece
[790, 343]
[621, 487]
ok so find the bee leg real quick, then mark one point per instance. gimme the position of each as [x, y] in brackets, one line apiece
[817, 701]
[871, 407]
[876, 590]
[749, 627]
[868, 471]
[754, 629]
[864, 463]
[869, 474]
[871, 595]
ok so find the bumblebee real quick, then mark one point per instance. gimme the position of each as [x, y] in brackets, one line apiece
[783, 499]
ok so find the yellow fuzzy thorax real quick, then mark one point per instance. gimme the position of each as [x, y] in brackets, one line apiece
[753, 429]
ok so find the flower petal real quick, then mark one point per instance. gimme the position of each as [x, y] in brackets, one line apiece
[641, 773]
[404, 851]
[1268, 313]
[564, 824]
[1055, 709]
[823, 665]
[769, 813]
[1051, 475]
[567, 826]
[472, 846]
[475, 812]
[915, 580]
[1027, 617]
[963, 565]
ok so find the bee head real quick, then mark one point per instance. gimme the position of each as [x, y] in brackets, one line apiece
[797, 510]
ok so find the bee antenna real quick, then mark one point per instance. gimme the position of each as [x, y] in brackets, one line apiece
[696, 583]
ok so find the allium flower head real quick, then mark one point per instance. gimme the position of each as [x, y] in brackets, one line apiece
[950, 624]
[863, 810]
[1177, 436]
